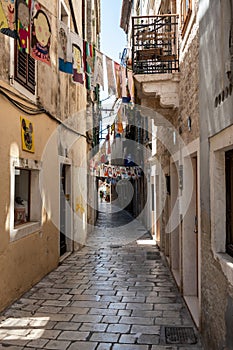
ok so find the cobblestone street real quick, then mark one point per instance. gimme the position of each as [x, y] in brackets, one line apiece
[113, 294]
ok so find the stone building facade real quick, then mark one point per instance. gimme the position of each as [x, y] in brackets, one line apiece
[216, 145]
[192, 182]
[173, 95]
[44, 149]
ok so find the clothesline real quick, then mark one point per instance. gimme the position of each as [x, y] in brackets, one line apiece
[29, 23]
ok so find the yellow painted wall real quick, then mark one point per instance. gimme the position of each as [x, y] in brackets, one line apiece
[27, 260]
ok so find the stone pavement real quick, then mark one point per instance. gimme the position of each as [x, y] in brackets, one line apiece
[114, 294]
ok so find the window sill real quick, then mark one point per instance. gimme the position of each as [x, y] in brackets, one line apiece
[226, 262]
[24, 230]
[21, 89]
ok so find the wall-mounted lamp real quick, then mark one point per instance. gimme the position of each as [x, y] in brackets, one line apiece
[189, 123]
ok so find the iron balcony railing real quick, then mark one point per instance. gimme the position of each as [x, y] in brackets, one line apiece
[155, 44]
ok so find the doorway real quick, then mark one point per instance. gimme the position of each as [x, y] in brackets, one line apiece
[175, 225]
[65, 212]
[191, 244]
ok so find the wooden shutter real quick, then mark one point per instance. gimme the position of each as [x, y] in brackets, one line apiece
[24, 69]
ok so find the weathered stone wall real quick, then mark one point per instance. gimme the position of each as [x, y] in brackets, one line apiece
[189, 97]
[5, 54]
[217, 290]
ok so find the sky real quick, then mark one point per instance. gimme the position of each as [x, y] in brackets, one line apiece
[112, 43]
[112, 37]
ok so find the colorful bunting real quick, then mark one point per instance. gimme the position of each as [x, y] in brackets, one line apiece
[115, 172]
[123, 82]
[119, 128]
[64, 49]
[88, 63]
[110, 76]
[118, 76]
[77, 57]
[98, 69]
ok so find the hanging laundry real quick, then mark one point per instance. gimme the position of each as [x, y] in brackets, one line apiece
[8, 18]
[40, 33]
[88, 56]
[131, 85]
[123, 79]
[119, 124]
[105, 171]
[118, 76]
[110, 172]
[64, 49]
[98, 69]
[113, 130]
[103, 158]
[23, 9]
[77, 56]
[110, 76]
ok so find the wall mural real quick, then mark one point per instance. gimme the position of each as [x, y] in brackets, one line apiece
[8, 18]
[64, 54]
[23, 24]
[30, 23]
[77, 57]
[40, 34]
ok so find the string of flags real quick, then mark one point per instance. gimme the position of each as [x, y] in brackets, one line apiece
[115, 172]
[29, 23]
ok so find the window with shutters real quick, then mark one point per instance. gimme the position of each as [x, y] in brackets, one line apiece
[24, 69]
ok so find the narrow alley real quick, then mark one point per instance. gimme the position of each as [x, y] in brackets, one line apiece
[118, 296]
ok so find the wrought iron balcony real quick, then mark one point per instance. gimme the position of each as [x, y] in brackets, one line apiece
[155, 47]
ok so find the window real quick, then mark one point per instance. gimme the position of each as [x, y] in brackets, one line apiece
[24, 69]
[229, 201]
[22, 196]
[64, 15]
[186, 10]
[26, 203]
[221, 199]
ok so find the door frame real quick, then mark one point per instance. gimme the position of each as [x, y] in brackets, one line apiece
[64, 162]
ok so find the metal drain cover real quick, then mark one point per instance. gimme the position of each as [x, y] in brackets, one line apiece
[152, 255]
[115, 246]
[180, 335]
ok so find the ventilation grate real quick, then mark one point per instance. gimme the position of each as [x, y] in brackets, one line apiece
[152, 255]
[115, 246]
[180, 335]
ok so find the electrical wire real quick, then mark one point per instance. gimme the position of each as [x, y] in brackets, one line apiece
[35, 111]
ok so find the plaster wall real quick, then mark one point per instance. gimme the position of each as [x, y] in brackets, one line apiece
[215, 119]
[25, 261]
